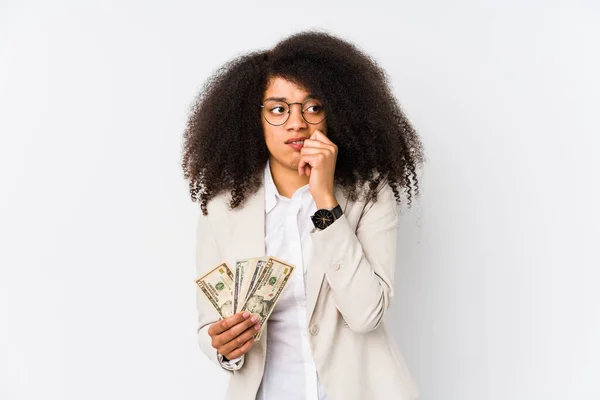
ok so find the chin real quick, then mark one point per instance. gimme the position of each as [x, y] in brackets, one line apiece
[293, 164]
[290, 161]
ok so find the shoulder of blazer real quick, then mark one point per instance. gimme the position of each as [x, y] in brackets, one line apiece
[384, 194]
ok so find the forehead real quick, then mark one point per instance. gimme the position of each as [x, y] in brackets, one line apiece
[280, 87]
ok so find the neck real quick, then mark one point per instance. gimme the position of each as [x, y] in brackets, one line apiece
[287, 180]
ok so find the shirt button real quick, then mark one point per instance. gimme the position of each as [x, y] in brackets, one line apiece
[314, 330]
[336, 266]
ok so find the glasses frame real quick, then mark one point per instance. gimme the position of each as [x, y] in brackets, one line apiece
[289, 112]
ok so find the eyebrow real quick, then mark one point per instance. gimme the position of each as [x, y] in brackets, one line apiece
[308, 97]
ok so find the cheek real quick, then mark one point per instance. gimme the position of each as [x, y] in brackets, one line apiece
[273, 138]
[270, 138]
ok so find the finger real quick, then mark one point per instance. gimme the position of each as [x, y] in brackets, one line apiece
[313, 143]
[301, 165]
[219, 327]
[315, 150]
[239, 341]
[308, 143]
[240, 351]
[232, 333]
[319, 135]
[304, 170]
[312, 159]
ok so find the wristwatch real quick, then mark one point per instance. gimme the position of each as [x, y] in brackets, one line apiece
[326, 216]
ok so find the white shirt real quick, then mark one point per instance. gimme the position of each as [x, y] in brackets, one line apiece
[290, 372]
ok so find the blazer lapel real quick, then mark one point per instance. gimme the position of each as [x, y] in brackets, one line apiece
[316, 269]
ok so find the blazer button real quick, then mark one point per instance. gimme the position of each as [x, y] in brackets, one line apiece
[314, 330]
[336, 266]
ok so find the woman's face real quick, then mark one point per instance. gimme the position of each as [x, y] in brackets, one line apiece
[296, 127]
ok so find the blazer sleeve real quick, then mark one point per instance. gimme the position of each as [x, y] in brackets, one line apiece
[207, 257]
[359, 265]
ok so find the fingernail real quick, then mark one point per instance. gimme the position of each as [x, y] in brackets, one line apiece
[246, 314]
[254, 318]
[257, 326]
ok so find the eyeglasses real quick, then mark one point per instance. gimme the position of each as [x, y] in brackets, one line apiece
[277, 112]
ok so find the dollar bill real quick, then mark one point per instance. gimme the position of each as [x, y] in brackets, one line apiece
[217, 286]
[239, 277]
[255, 267]
[265, 291]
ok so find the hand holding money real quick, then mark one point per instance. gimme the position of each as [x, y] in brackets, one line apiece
[253, 289]
[233, 337]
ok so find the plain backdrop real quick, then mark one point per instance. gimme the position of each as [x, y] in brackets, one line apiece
[497, 284]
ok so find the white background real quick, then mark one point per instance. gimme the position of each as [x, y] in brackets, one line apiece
[497, 280]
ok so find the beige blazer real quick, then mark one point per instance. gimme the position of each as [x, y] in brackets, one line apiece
[349, 288]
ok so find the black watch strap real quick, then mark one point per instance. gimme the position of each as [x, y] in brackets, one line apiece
[337, 211]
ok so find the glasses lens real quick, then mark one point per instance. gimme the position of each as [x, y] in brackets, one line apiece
[275, 112]
[313, 111]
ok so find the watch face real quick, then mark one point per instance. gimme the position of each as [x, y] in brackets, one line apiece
[323, 218]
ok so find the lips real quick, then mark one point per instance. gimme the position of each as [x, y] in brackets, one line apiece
[296, 143]
[296, 140]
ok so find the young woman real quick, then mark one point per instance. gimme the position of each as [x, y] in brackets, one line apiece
[301, 152]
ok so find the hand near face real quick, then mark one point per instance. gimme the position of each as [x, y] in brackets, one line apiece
[317, 160]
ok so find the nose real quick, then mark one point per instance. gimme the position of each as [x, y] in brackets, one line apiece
[296, 121]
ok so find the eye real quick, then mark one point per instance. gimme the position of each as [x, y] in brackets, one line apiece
[277, 110]
[313, 108]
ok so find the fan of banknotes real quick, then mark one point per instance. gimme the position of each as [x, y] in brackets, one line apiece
[254, 286]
